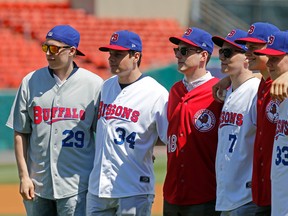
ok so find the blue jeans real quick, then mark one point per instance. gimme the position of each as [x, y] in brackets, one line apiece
[139, 205]
[248, 209]
[70, 206]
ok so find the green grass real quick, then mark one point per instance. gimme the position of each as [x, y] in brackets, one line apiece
[9, 174]
[160, 168]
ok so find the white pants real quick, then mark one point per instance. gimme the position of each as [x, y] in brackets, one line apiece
[126, 206]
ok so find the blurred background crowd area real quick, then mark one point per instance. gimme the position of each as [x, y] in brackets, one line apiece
[24, 24]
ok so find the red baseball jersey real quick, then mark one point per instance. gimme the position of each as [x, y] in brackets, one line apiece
[193, 134]
[267, 116]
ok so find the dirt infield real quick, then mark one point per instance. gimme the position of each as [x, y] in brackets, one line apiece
[11, 202]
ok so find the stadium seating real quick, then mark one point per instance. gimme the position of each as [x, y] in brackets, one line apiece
[24, 24]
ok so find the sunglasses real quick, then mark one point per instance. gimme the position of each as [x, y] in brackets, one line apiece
[53, 49]
[184, 50]
[228, 52]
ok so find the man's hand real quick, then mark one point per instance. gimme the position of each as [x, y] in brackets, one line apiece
[279, 87]
[219, 89]
[27, 189]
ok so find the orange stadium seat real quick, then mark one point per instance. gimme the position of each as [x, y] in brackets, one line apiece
[23, 26]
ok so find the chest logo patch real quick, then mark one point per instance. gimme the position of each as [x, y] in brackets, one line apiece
[272, 110]
[204, 120]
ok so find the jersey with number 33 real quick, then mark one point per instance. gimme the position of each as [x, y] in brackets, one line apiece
[279, 164]
[129, 123]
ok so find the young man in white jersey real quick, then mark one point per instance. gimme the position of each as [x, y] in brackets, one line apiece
[131, 117]
[267, 114]
[236, 131]
[276, 52]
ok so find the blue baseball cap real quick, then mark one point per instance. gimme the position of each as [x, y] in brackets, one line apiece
[230, 38]
[195, 37]
[65, 34]
[277, 45]
[124, 40]
[258, 32]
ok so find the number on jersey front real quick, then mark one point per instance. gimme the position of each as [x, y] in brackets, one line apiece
[232, 138]
[122, 137]
[282, 155]
[73, 139]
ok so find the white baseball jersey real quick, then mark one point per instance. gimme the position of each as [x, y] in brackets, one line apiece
[129, 123]
[279, 164]
[234, 156]
[60, 123]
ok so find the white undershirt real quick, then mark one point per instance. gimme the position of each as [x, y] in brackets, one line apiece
[191, 85]
[59, 82]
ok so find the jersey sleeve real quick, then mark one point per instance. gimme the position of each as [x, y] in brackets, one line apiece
[160, 110]
[19, 119]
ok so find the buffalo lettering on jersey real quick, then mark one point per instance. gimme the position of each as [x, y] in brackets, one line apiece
[230, 118]
[281, 128]
[113, 111]
[55, 114]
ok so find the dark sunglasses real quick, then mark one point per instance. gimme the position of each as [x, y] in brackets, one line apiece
[53, 49]
[228, 52]
[184, 50]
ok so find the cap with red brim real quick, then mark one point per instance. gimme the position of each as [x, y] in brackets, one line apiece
[268, 51]
[277, 46]
[258, 32]
[112, 47]
[195, 37]
[124, 40]
[230, 38]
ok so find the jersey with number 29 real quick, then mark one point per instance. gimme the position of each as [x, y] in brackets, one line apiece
[60, 122]
[129, 123]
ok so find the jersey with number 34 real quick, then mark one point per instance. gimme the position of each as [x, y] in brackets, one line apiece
[129, 123]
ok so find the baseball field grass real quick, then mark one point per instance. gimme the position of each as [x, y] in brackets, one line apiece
[10, 199]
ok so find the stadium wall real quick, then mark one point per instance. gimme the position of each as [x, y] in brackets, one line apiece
[139, 9]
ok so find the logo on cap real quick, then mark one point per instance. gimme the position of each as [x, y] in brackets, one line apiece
[114, 37]
[251, 29]
[188, 31]
[231, 34]
[271, 39]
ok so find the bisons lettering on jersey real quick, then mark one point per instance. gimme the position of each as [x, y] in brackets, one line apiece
[281, 128]
[230, 118]
[55, 114]
[112, 111]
